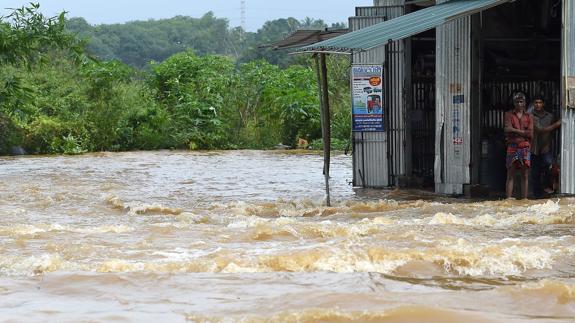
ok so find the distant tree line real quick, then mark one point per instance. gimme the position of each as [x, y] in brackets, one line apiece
[68, 87]
[137, 43]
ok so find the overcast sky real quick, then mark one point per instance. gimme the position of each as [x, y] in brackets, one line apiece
[258, 11]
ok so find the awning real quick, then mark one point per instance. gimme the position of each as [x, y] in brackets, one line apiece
[304, 37]
[402, 27]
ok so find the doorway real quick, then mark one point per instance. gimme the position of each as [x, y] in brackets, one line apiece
[520, 52]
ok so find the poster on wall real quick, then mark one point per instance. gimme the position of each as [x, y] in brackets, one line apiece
[367, 97]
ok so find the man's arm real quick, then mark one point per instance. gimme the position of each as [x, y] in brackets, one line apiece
[509, 125]
[529, 132]
[551, 127]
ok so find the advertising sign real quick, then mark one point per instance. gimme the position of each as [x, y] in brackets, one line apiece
[367, 97]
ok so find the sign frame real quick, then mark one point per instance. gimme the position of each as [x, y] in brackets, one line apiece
[367, 97]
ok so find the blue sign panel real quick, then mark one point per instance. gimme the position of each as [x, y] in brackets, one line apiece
[367, 97]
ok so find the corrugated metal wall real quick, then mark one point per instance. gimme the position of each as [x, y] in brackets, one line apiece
[370, 149]
[453, 81]
[568, 99]
[370, 167]
[372, 56]
[369, 159]
[388, 3]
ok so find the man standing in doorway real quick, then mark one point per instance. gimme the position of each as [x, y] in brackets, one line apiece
[543, 127]
[518, 135]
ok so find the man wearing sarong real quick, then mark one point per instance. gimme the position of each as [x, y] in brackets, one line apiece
[518, 136]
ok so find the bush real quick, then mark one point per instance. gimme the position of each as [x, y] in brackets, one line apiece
[194, 90]
[44, 135]
[71, 145]
[10, 134]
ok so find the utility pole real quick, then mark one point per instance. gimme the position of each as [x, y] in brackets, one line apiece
[321, 70]
[243, 15]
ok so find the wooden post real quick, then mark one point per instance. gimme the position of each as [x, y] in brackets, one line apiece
[321, 70]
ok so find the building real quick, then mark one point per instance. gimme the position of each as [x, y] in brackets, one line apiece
[450, 69]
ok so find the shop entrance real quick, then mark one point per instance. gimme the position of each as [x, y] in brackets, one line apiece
[521, 51]
[422, 114]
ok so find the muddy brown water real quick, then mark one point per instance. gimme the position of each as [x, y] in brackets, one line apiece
[244, 236]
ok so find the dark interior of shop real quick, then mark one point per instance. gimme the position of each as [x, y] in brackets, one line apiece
[520, 51]
[422, 116]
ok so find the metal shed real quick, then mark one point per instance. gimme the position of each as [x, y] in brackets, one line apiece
[385, 34]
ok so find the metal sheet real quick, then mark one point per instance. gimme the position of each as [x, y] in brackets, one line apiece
[388, 3]
[369, 159]
[370, 149]
[304, 37]
[453, 80]
[568, 94]
[375, 12]
[372, 56]
[402, 27]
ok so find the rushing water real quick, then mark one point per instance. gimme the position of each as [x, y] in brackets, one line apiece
[244, 236]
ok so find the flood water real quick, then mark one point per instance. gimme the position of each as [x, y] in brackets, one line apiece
[244, 236]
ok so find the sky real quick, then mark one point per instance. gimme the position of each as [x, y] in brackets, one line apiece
[257, 11]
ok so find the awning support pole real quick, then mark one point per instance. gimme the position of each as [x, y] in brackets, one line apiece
[321, 71]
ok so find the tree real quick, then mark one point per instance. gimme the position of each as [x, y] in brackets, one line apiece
[137, 43]
[25, 37]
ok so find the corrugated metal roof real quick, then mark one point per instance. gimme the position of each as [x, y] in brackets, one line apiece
[402, 27]
[305, 37]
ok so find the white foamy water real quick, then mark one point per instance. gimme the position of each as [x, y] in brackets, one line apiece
[245, 236]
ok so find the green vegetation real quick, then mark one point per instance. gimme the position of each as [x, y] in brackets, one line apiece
[175, 83]
[137, 43]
